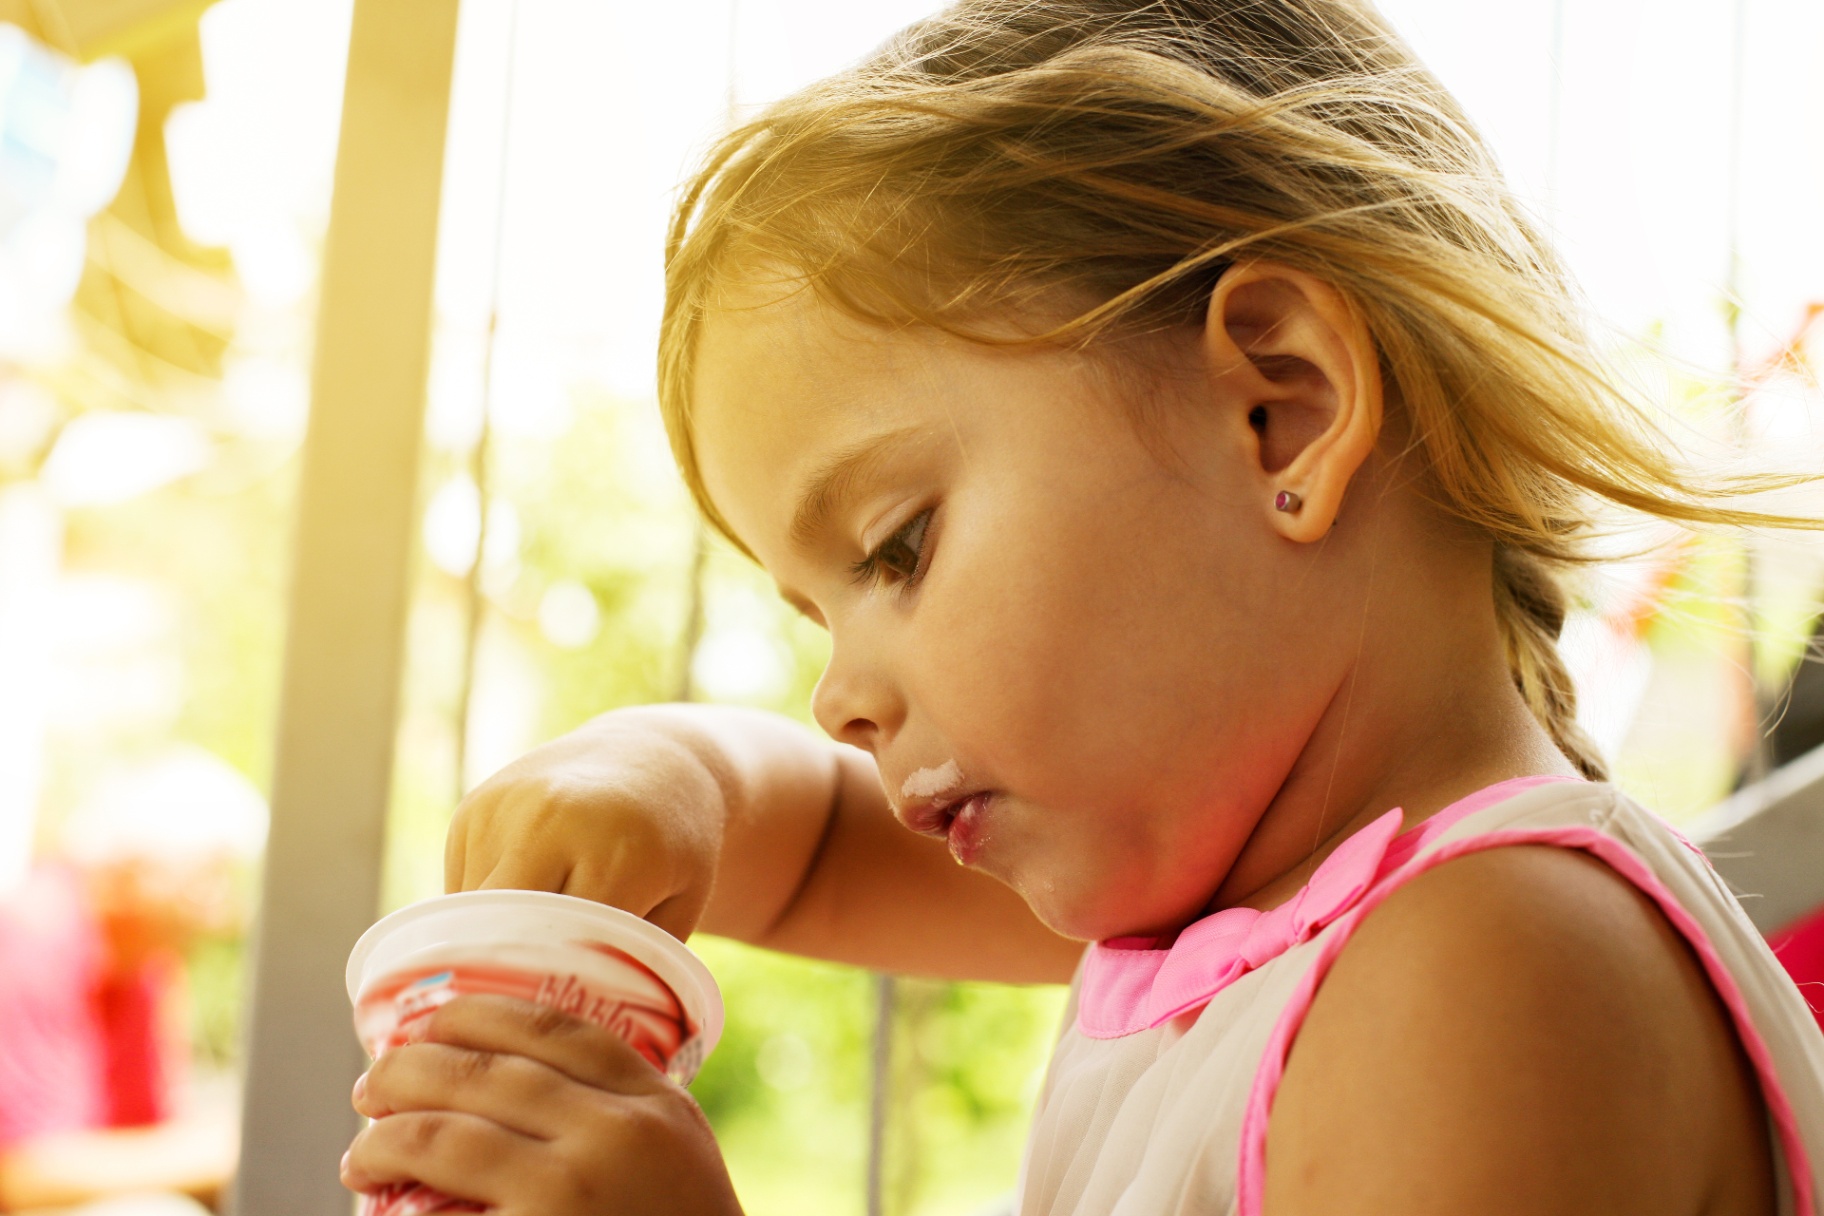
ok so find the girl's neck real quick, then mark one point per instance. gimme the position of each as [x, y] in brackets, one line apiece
[1427, 715]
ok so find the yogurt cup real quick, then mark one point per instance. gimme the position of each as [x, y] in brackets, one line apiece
[599, 963]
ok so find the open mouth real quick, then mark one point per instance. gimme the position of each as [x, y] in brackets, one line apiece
[957, 820]
[933, 816]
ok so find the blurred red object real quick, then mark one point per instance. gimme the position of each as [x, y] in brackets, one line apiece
[1800, 948]
[83, 1042]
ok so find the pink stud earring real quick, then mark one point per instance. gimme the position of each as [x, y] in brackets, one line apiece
[1288, 502]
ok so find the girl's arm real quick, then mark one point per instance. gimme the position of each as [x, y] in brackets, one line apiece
[739, 822]
[1517, 1031]
[744, 824]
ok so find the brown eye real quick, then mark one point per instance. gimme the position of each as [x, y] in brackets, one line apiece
[901, 551]
[897, 559]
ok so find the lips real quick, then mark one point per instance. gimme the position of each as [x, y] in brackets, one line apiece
[958, 820]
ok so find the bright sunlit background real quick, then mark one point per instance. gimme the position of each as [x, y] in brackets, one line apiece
[153, 392]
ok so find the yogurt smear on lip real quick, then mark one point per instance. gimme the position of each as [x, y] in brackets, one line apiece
[931, 782]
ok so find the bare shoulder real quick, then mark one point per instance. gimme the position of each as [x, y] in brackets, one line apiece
[1517, 1030]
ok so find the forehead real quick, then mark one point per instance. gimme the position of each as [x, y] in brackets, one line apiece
[781, 383]
[761, 341]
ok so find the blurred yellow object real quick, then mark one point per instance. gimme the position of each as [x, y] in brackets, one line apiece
[193, 1154]
[156, 304]
[92, 29]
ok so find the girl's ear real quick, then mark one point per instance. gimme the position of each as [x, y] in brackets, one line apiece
[1294, 356]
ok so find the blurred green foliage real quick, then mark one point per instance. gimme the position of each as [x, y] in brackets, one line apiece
[215, 544]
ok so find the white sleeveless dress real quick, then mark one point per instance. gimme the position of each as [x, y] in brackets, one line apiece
[1157, 1097]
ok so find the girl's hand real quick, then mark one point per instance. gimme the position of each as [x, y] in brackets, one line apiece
[533, 1112]
[625, 811]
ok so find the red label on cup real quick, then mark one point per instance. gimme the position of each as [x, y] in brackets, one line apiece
[411, 1199]
[625, 997]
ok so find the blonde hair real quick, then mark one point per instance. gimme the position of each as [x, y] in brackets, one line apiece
[1129, 151]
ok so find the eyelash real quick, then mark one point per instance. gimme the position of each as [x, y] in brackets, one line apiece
[875, 569]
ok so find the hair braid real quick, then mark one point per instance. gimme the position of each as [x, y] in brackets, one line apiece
[1530, 609]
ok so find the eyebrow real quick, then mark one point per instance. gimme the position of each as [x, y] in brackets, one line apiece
[835, 482]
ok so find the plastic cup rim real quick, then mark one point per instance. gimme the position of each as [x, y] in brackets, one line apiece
[670, 958]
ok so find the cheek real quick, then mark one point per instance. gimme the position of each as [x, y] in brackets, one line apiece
[1106, 637]
[1004, 634]
[1131, 688]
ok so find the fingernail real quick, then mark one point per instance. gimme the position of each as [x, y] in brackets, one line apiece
[360, 1086]
[345, 1156]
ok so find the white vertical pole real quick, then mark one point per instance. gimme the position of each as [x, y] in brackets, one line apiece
[350, 581]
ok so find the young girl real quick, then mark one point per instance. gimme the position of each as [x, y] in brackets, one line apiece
[1181, 434]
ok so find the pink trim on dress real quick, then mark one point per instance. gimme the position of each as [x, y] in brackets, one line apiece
[1128, 986]
[1251, 1174]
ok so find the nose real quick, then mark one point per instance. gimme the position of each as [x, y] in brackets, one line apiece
[855, 700]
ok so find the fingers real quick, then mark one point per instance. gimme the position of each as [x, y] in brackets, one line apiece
[532, 1112]
[516, 832]
[625, 870]
[539, 830]
[462, 1155]
[510, 841]
[520, 1094]
[635, 862]
[631, 888]
[678, 915]
[580, 1050]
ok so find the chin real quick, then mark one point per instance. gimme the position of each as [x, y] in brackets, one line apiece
[1080, 916]
[1092, 903]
